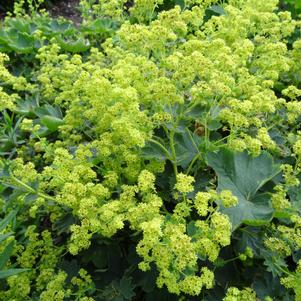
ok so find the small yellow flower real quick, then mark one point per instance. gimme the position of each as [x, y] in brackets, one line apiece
[184, 183]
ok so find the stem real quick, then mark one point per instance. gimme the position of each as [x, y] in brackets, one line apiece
[230, 260]
[174, 156]
[282, 270]
[46, 196]
[31, 190]
[246, 231]
[220, 140]
[195, 157]
[193, 142]
[206, 134]
[297, 165]
[23, 185]
[161, 146]
[192, 162]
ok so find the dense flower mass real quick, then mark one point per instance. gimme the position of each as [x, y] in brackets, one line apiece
[161, 159]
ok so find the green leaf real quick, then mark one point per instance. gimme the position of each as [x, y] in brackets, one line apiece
[4, 236]
[251, 237]
[21, 42]
[101, 26]
[214, 10]
[70, 267]
[126, 287]
[181, 3]
[181, 126]
[6, 253]
[214, 125]
[217, 10]
[11, 272]
[19, 24]
[213, 120]
[186, 147]
[147, 280]
[267, 285]
[153, 150]
[51, 122]
[244, 176]
[60, 26]
[274, 263]
[191, 228]
[294, 194]
[50, 118]
[7, 219]
[196, 111]
[27, 107]
[48, 110]
[79, 45]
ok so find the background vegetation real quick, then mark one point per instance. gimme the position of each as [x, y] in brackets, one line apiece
[151, 152]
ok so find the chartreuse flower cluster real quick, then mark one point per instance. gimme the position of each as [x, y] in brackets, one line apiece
[175, 253]
[293, 281]
[151, 84]
[234, 294]
[12, 82]
[142, 10]
[40, 257]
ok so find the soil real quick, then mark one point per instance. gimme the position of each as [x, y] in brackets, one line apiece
[64, 8]
[67, 9]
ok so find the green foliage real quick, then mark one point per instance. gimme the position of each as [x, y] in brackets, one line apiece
[245, 176]
[7, 248]
[293, 5]
[7, 6]
[25, 35]
[152, 152]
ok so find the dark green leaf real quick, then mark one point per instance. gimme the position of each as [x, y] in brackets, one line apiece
[11, 272]
[267, 285]
[274, 264]
[217, 10]
[7, 219]
[4, 236]
[196, 111]
[186, 147]
[153, 150]
[181, 3]
[244, 176]
[126, 288]
[27, 107]
[251, 237]
[6, 253]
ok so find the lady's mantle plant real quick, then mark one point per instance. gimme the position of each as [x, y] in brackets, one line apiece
[175, 145]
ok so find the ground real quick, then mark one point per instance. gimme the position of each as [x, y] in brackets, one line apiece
[67, 9]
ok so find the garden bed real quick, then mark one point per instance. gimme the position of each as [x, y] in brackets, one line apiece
[150, 150]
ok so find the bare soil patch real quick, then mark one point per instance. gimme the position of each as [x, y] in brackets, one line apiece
[67, 9]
